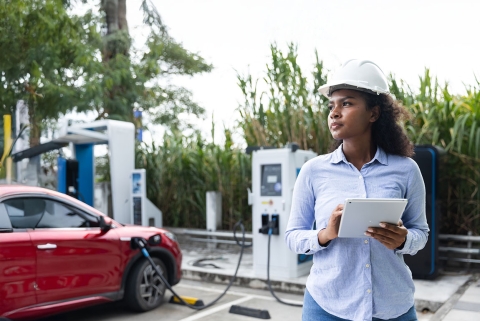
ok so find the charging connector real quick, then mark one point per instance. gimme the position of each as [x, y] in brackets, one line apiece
[142, 244]
[265, 224]
[275, 224]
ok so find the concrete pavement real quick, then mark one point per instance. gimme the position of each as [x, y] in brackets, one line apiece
[450, 297]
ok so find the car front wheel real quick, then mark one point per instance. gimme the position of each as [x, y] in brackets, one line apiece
[145, 290]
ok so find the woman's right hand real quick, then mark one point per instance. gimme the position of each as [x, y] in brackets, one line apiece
[331, 231]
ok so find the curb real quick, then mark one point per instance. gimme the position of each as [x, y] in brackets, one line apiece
[284, 286]
[248, 282]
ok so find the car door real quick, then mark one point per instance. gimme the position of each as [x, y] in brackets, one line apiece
[74, 257]
[17, 264]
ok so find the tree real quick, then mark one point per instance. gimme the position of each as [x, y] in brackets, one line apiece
[45, 54]
[134, 77]
[60, 62]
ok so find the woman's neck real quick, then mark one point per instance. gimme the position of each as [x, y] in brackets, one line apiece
[359, 153]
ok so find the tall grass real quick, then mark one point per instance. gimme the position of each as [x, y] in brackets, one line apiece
[453, 123]
[183, 169]
[289, 110]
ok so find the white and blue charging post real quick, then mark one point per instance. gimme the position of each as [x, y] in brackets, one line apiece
[130, 204]
[274, 172]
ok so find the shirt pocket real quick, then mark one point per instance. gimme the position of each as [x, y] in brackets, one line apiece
[386, 190]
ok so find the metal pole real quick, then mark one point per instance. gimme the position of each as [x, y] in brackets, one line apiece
[469, 246]
[7, 138]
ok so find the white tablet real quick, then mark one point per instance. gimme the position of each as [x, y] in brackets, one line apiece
[361, 213]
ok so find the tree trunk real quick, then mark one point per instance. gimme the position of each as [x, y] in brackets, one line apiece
[34, 128]
[122, 15]
[111, 12]
[116, 42]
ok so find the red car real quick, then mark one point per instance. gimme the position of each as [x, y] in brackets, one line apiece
[58, 254]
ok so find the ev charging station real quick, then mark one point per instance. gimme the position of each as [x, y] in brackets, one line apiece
[274, 172]
[144, 212]
[76, 177]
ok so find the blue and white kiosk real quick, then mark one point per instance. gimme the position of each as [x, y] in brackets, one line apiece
[76, 176]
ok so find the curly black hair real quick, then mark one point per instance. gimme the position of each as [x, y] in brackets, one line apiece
[386, 130]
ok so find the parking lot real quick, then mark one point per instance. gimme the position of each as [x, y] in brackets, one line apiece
[255, 299]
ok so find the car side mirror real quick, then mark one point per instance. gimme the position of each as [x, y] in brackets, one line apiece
[104, 226]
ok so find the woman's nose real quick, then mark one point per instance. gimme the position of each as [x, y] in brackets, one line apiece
[334, 113]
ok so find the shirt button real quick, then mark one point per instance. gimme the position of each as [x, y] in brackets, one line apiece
[367, 265]
[360, 177]
[366, 241]
[369, 290]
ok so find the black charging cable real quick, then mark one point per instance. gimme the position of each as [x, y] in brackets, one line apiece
[270, 230]
[142, 245]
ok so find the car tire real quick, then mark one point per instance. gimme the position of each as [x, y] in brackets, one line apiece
[145, 290]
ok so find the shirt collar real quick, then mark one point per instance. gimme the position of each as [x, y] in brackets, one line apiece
[338, 156]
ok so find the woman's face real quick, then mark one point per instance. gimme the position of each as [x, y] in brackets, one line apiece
[349, 117]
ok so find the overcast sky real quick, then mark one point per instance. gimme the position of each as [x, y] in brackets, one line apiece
[402, 37]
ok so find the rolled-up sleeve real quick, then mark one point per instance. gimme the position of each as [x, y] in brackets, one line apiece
[414, 218]
[299, 236]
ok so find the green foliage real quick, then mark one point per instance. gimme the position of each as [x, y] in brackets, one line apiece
[451, 122]
[288, 110]
[44, 56]
[59, 62]
[183, 169]
[165, 58]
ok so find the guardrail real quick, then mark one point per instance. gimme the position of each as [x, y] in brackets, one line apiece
[210, 236]
[466, 247]
[463, 243]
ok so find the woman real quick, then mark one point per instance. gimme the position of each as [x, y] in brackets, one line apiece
[359, 278]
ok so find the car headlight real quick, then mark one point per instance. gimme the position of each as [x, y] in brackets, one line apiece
[171, 236]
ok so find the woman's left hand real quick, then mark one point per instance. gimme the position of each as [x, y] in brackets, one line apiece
[390, 235]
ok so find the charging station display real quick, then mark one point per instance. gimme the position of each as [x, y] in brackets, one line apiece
[271, 180]
[137, 210]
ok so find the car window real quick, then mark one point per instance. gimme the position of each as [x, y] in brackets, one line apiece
[58, 215]
[4, 220]
[23, 212]
[46, 213]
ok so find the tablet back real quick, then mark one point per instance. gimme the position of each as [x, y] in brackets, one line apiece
[361, 213]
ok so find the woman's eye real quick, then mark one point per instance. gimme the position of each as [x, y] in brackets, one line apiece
[346, 103]
[330, 108]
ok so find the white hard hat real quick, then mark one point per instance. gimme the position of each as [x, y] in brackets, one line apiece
[356, 74]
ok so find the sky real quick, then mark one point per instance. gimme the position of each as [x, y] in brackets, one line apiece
[402, 37]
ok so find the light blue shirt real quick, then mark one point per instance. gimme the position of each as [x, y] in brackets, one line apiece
[357, 278]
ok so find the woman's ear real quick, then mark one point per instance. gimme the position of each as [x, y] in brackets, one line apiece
[375, 114]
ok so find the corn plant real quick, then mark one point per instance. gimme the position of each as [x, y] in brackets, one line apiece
[451, 122]
[289, 110]
[183, 169]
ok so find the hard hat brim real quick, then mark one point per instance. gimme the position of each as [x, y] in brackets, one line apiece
[328, 89]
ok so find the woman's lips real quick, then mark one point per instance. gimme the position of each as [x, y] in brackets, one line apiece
[335, 125]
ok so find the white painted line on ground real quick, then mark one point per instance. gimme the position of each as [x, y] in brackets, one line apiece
[255, 296]
[208, 312]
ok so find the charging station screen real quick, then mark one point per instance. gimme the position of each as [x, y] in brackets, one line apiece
[271, 180]
[137, 211]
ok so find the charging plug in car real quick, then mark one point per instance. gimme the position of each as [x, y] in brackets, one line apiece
[138, 243]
